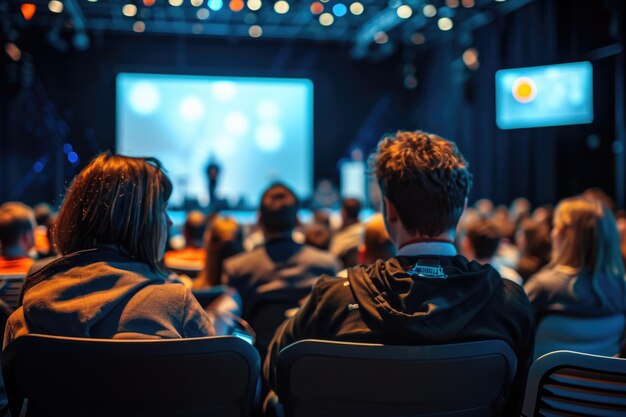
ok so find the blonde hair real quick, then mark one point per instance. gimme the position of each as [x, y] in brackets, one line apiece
[591, 245]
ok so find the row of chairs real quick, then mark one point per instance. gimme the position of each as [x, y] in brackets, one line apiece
[218, 376]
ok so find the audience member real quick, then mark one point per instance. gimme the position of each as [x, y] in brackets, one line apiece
[274, 277]
[17, 225]
[427, 294]
[44, 217]
[223, 240]
[376, 243]
[481, 242]
[533, 241]
[317, 235]
[346, 240]
[111, 231]
[585, 277]
[190, 259]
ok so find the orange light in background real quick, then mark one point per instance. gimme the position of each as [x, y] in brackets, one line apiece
[28, 10]
[13, 51]
[236, 5]
[524, 90]
[149, 3]
[317, 8]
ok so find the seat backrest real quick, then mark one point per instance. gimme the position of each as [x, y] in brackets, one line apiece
[11, 288]
[565, 383]
[321, 378]
[63, 376]
[594, 335]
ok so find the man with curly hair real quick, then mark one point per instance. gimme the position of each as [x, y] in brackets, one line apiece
[427, 294]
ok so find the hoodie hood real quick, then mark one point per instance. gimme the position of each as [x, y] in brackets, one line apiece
[79, 292]
[418, 304]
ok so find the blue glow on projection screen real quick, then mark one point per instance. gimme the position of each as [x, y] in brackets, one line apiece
[551, 95]
[257, 131]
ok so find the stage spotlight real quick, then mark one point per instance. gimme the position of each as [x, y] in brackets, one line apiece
[254, 5]
[255, 31]
[196, 3]
[215, 5]
[418, 38]
[453, 4]
[139, 26]
[67, 148]
[326, 19]
[269, 137]
[429, 10]
[55, 6]
[381, 38]
[13, 51]
[470, 58]
[468, 3]
[92, 1]
[28, 10]
[340, 9]
[203, 14]
[445, 23]
[149, 3]
[404, 11]
[236, 5]
[317, 8]
[356, 8]
[144, 97]
[129, 10]
[281, 7]
[72, 157]
[176, 3]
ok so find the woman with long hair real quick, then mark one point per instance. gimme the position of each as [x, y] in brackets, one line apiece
[223, 240]
[584, 280]
[109, 283]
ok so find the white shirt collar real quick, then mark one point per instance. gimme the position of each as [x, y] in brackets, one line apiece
[428, 248]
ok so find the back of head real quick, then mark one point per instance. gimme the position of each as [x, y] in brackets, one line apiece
[376, 242]
[426, 178]
[43, 213]
[16, 220]
[193, 230]
[588, 239]
[279, 209]
[317, 235]
[116, 200]
[484, 237]
[224, 239]
[536, 236]
[350, 209]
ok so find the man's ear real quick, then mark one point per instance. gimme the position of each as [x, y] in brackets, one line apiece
[391, 214]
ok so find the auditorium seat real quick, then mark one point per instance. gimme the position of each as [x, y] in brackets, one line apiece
[595, 335]
[71, 377]
[566, 383]
[11, 288]
[336, 379]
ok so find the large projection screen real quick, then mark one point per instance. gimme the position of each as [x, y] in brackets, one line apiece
[255, 130]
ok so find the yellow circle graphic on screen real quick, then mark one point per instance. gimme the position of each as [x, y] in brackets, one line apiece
[524, 90]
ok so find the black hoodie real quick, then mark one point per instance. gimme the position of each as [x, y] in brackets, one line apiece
[383, 303]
